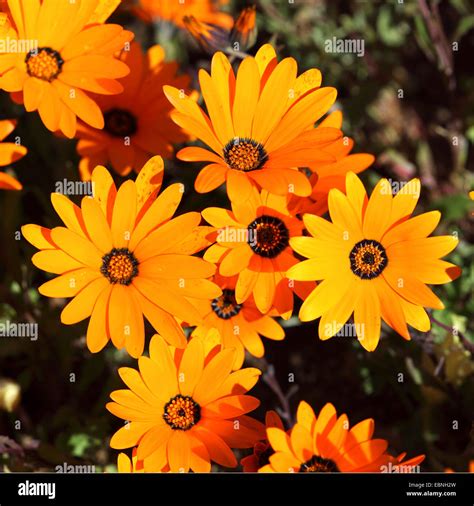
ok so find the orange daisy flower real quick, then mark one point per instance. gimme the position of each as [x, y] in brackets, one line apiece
[9, 153]
[175, 10]
[262, 449]
[137, 122]
[253, 244]
[239, 325]
[122, 256]
[69, 57]
[325, 444]
[326, 176]
[259, 125]
[374, 261]
[185, 408]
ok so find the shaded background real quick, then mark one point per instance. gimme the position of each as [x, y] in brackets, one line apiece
[409, 101]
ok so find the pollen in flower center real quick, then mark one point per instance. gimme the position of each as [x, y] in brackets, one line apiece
[225, 306]
[44, 63]
[368, 259]
[119, 266]
[268, 236]
[242, 153]
[317, 464]
[120, 123]
[182, 412]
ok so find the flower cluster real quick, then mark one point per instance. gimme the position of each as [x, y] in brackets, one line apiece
[300, 237]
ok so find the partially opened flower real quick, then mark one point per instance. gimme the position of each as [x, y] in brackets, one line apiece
[326, 176]
[70, 55]
[259, 125]
[174, 11]
[122, 256]
[374, 261]
[125, 465]
[137, 122]
[325, 444]
[9, 152]
[262, 449]
[398, 465]
[253, 244]
[185, 408]
[212, 37]
[239, 325]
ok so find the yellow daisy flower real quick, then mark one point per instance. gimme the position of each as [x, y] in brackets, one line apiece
[239, 325]
[185, 408]
[71, 54]
[253, 243]
[374, 260]
[259, 125]
[122, 256]
[325, 444]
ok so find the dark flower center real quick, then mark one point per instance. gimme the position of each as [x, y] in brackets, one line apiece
[182, 412]
[317, 464]
[44, 63]
[225, 306]
[268, 236]
[242, 153]
[119, 266]
[120, 123]
[368, 259]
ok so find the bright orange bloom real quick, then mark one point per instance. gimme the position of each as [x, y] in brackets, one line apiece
[374, 261]
[9, 153]
[326, 176]
[137, 122]
[175, 10]
[262, 449]
[325, 444]
[122, 256]
[185, 408]
[239, 325]
[259, 125]
[70, 55]
[253, 244]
